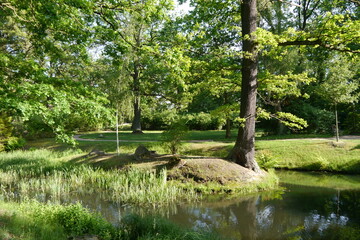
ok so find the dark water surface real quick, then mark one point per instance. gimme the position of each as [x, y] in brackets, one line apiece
[311, 206]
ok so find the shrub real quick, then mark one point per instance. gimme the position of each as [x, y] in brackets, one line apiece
[77, 220]
[173, 136]
[14, 143]
[202, 121]
[74, 219]
[5, 130]
[266, 161]
[352, 123]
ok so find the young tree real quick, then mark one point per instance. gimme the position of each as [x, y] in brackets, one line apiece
[133, 34]
[340, 86]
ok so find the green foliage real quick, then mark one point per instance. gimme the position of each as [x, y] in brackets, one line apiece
[42, 172]
[352, 123]
[32, 220]
[314, 155]
[319, 120]
[157, 119]
[14, 143]
[45, 66]
[77, 221]
[173, 136]
[202, 121]
[266, 161]
[291, 121]
[340, 85]
[5, 130]
[52, 221]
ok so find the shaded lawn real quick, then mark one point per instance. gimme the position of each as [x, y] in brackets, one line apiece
[299, 154]
[211, 135]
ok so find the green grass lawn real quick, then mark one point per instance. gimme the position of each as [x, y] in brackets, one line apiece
[318, 155]
[299, 154]
[213, 135]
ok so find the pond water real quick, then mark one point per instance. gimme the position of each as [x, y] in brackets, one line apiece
[311, 206]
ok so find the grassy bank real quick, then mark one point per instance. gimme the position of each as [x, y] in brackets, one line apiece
[44, 174]
[313, 155]
[51, 175]
[295, 154]
[37, 221]
[320, 179]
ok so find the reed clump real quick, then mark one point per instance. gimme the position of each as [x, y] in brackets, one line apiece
[43, 175]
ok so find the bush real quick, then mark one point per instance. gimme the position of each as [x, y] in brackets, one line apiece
[202, 121]
[77, 221]
[14, 143]
[173, 136]
[352, 123]
[5, 130]
[156, 120]
[266, 161]
[74, 219]
[319, 120]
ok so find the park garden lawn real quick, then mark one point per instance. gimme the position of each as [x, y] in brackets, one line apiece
[291, 153]
[294, 154]
[313, 155]
[211, 135]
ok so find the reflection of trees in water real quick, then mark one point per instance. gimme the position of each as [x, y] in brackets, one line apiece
[304, 212]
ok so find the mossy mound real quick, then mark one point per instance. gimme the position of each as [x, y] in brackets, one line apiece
[207, 175]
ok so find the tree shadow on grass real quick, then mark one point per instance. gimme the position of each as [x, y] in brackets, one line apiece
[357, 147]
[122, 161]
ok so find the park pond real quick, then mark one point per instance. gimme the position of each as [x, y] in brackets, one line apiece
[310, 206]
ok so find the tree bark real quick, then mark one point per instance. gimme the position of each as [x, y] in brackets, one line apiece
[228, 128]
[117, 131]
[336, 123]
[243, 152]
[136, 124]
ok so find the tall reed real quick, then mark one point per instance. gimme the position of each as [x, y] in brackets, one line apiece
[43, 174]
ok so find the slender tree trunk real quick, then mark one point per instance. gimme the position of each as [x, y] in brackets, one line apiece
[280, 126]
[243, 152]
[228, 121]
[117, 132]
[136, 124]
[336, 123]
[228, 128]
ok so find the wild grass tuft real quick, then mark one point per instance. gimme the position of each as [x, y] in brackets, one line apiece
[38, 175]
[32, 220]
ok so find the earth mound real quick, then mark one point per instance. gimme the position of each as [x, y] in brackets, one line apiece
[212, 169]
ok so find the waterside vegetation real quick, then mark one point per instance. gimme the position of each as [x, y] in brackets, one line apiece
[32, 220]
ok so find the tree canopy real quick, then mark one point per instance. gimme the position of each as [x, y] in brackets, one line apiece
[70, 65]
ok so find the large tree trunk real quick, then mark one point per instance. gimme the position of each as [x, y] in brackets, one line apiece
[136, 124]
[243, 152]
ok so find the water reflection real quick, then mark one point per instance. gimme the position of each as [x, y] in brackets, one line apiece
[300, 212]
